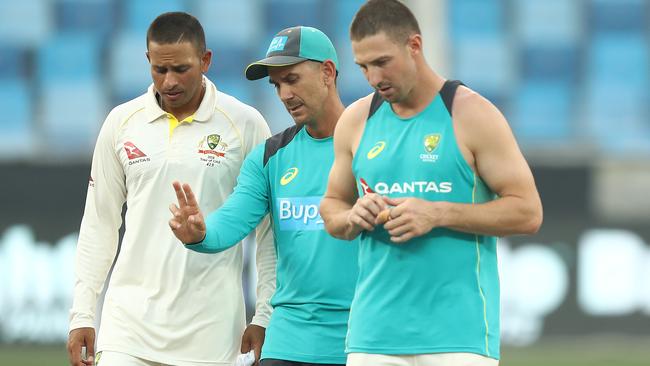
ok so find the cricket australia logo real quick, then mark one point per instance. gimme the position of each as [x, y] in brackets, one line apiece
[213, 140]
[211, 149]
[431, 143]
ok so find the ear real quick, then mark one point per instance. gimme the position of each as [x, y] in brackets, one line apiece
[414, 44]
[206, 59]
[146, 53]
[329, 72]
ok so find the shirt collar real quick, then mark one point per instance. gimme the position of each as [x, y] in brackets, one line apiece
[203, 113]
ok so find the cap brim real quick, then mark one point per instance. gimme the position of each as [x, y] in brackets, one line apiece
[259, 69]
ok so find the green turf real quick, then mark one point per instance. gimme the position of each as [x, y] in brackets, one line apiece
[584, 351]
[26, 355]
[590, 351]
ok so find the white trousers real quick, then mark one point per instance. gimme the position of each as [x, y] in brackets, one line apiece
[433, 359]
[110, 358]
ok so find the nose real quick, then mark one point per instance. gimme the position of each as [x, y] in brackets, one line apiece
[170, 81]
[285, 93]
[374, 76]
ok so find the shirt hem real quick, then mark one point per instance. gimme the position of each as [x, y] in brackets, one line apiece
[304, 358]
[157, 358]
[418, 350]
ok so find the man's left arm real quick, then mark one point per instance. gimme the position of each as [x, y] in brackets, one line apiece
[265, 260]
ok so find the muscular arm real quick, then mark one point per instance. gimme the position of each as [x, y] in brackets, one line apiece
[501, 165]
[344, 213]
[490, 148]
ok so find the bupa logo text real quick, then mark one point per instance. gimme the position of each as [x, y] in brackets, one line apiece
[299, 213]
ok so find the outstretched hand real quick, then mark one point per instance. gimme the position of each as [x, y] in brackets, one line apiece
[187, 224]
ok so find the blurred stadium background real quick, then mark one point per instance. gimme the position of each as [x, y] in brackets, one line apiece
[572, 77]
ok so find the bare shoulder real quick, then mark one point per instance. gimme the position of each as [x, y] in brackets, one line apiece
[476, 118]
[352, 122]
[357, 112]
[470, 105]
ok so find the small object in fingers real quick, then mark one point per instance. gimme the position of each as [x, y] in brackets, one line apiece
[383, 216]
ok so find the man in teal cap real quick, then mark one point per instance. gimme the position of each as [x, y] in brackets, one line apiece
[286, 176]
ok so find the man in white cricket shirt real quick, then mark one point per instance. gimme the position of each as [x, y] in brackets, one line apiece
[166, 305]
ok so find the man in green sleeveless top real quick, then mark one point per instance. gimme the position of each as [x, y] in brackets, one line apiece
[287, 176]
[440, 164]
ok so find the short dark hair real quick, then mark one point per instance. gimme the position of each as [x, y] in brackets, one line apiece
[389, 16]
[176, 27]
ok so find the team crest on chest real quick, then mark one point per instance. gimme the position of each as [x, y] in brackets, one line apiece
[213, 140]
[431, 142]
[212, 149]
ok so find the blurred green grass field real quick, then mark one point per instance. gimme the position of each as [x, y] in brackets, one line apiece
[585, 351]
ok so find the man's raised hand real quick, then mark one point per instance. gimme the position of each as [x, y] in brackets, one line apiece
[187, 222]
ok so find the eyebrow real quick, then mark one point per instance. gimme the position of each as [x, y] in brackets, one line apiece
[178, 66]
[284, 78]
[375, 60]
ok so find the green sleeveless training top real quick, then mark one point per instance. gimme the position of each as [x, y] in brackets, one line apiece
[438, 292]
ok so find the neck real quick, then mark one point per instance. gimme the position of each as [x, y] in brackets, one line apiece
[324, 124]
[424, 90]
[186, 110]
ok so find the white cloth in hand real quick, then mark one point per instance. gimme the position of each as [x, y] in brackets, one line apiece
[246, 359]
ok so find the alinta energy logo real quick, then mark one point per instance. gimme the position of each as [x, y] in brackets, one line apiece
[431, 143]
[134, 154]
[288, 176]
[376, 150]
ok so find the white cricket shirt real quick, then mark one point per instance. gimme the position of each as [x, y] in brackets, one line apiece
[165, 303]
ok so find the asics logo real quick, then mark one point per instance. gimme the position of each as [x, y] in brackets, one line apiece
[376, 150]
[288, 176]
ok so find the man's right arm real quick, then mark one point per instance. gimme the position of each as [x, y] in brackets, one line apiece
[344, 213]
[234, 220]
[98, 239]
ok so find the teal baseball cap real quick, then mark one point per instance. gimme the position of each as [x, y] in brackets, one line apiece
[291, 46]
